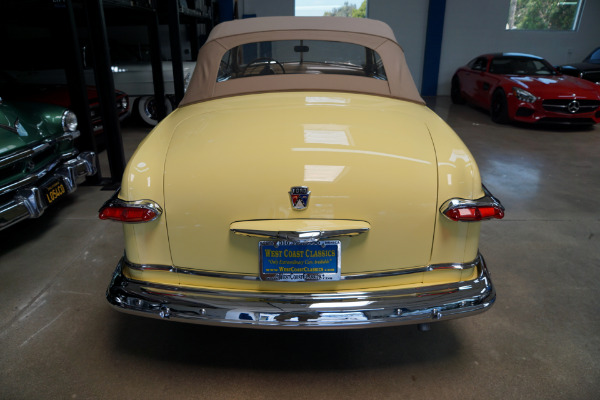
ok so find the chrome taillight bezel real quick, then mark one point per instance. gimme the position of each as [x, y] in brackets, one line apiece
[116, 202]
[487, 201]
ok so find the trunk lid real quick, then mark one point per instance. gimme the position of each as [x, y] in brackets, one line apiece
[363, 158]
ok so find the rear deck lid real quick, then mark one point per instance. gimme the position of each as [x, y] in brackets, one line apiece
[363, 158]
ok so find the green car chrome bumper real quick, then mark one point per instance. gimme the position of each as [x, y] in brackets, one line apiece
[334, 310]
[29, 197]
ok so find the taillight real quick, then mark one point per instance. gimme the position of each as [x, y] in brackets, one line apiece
[474, 213]
[487, 207]
[129, 211]
[128, 214]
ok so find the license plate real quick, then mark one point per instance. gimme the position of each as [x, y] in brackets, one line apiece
[54, 191]
[298, 262]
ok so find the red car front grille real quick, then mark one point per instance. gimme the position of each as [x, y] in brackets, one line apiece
[571, 106]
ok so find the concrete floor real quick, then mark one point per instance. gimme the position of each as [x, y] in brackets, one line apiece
[59, 339]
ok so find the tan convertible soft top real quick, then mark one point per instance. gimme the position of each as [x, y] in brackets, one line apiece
[369, 33]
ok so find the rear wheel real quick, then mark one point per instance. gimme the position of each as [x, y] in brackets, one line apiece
[455, 92]
[499, 109]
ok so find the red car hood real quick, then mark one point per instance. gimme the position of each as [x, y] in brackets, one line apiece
[58, 95]
[561, 86]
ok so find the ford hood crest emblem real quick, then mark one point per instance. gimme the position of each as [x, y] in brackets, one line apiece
[299, 196]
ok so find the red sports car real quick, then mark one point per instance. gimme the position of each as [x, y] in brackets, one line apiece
[525, 88]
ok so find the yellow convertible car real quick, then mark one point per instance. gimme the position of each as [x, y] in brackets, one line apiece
[302, 183]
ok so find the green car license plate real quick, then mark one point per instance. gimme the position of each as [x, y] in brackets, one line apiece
[298, 262]
[53, 191]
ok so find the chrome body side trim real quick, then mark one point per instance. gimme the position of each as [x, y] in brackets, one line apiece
[220, 275]
[28, 152]
[486, 201]
[26, 200]
[277, 310]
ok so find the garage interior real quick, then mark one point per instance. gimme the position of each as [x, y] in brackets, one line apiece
[60, 338]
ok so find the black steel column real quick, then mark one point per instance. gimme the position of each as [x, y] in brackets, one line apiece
[76, 83]
[193, 32]
[157, 72]
[106, 88]
[173, 12]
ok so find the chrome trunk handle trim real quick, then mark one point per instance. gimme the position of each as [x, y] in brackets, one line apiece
[299, 236]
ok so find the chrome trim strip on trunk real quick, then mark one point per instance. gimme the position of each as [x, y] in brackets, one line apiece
[299, 236]
[276, 310]
[221, 275]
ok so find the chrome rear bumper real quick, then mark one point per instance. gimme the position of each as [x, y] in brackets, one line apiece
[26, 200]
[304, 310]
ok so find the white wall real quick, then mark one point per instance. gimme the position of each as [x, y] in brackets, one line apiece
[408, 20]
[474, 27]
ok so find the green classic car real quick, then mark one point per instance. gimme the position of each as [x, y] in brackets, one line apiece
[38, 160]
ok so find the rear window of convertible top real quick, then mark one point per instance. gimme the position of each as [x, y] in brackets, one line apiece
[300, 57]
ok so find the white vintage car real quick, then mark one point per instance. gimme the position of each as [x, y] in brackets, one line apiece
[302, 183]
[137, 81]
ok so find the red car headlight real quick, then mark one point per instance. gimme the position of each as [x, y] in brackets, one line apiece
[524, 95]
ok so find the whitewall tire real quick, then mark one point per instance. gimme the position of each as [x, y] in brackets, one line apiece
[146, 109]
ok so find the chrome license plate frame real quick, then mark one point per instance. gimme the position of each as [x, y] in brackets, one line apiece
[285, 261]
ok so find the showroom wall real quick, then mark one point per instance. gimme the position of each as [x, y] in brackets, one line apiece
[471, 27]
[408, 20]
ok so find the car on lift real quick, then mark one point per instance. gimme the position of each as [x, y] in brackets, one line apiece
[132, 73]
[38, 161]
[588, 69]
[302, 183]
[137, 81]
[34, 87]
[525, 88]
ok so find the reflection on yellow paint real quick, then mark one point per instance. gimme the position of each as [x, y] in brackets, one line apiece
[446, 164]
[322, 173]
[459, 154]
[327, 134]
[327, 100]
[141, 167]
[370, 153]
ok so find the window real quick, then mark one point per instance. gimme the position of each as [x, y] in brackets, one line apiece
[520, 66]
[541, 15]
[479, 64]
[332, 8]
[594, 57]
[300, 57]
